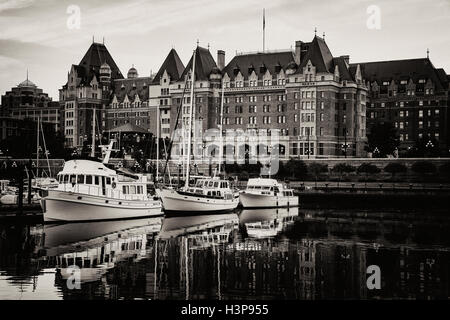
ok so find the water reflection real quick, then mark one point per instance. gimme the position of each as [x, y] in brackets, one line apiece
[264, 254]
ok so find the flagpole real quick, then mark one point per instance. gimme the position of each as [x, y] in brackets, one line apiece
[264, 29]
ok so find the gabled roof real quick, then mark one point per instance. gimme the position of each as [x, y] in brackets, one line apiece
[397, 70]
[204, 64]
[131, 87]
[259, 62]
[344, 71]
[172, 65]
[96, 55]
[127, 128]
[319, 54]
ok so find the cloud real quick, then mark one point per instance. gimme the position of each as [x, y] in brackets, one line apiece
[6, 5]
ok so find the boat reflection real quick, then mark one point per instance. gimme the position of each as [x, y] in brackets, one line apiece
[93, 248]
[267, 223]
[206, 227]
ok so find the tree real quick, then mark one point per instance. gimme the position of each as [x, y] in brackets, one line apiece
[295, 169]
[342, 168]
[316, 169]
[394, 167]
[383, 139]
[368, 168]
[426, 147]
[423, 167]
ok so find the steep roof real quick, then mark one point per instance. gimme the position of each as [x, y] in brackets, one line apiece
[344, 72]
[397, 70]
[319, 54]
[258, 62]
[128, 127]
[131, 87]
[172, 65]
[96, 55]
[204, 64]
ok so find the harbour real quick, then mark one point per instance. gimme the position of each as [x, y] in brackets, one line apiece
[251, 254]
[224, 160]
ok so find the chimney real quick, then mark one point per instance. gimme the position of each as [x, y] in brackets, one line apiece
[346, 59]
[220, 59]
[298, 52]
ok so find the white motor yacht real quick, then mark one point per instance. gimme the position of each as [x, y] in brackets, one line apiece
[267, 193]
[88, 190]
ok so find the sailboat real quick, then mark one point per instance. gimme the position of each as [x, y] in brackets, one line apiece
[208, 195]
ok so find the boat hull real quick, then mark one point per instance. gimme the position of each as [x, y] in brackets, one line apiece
[61, 206]
[175, 202]
[253, 200]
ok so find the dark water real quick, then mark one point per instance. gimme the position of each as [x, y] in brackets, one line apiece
[257, 254]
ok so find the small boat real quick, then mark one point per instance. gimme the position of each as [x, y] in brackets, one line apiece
[209, 195]
[13, 197]
[267, 193]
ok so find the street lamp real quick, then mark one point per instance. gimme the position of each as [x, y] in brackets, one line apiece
[344, 147]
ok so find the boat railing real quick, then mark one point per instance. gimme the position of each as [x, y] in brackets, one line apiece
[101, 192]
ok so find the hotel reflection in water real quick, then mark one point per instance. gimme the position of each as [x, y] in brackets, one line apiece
[264, 254]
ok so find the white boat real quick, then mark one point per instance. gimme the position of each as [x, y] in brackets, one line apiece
[13, 197]
[89, 191]
[210, 195]
[267, 193]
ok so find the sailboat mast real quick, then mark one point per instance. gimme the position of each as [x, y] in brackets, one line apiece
[157, 141]
[221, 131]
[93, 134]
[191, 107]
[37, 147]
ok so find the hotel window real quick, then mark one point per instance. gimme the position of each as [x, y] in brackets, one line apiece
[296, 95]
[436, 135]
[401, 113]
[436, 111]
[420, 103]
[420, 113]
[296, 106]
[322, 105]
[295, 117]
[420, 124]
[321, 131]
[401, 125]
[321, 117]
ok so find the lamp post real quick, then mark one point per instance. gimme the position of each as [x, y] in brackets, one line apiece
[307, 143]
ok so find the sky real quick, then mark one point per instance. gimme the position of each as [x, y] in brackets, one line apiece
[43, 36]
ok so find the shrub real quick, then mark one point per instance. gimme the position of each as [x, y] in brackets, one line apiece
[343, 168]
[395, 167]
[368, 168]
